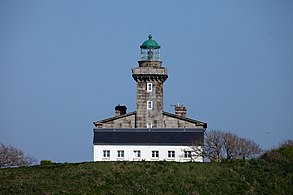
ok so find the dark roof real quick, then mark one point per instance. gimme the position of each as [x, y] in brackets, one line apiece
[148, 136]
[197, 122]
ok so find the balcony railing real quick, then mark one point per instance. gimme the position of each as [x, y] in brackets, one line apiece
[150, 71]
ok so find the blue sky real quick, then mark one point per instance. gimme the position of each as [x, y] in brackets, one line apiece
[65, 64]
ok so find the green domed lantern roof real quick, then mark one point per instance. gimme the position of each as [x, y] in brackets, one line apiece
[150, 50]
[150, 44]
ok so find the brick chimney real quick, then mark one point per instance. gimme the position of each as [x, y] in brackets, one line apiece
[180, 110]
[120, 110]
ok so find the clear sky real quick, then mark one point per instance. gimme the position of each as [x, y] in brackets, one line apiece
[67, 63]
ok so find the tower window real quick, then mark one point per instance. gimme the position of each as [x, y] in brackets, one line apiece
[149, 87]
[149, 125]
[149, 105]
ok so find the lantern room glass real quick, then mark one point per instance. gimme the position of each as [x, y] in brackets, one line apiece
[150, 54]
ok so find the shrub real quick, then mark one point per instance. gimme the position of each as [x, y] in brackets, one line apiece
[46, 162]
[273, 155]
[284, 153]
[287, 143]
[287, 151]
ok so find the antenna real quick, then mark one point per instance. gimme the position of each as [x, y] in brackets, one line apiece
[175, 105]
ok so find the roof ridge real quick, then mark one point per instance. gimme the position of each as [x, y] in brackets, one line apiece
[186, 118]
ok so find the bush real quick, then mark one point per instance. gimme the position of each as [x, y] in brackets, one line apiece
[46, 162]
[287, 148]
[287, 151]
[287, 143]
[284, 153]
[273, 155]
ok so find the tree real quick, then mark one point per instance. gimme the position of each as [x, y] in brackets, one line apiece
[231, 144]
[213, 145]
[13, 157]
[237, 147]
[219, 145]
[211, 148]
[248, 148]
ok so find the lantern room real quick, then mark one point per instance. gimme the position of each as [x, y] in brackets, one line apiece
[150, 50]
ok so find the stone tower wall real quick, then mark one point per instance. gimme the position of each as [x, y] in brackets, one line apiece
[154, 115]
[149, 72]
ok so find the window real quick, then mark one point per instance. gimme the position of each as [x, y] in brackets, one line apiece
[149, 125]
[187, 154]
[106, 153]
[155, 154]
[149, 87]
[120, 153]
[136, 153]
[171, 154]
[149, 105]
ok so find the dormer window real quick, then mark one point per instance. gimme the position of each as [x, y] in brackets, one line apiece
[149, 87]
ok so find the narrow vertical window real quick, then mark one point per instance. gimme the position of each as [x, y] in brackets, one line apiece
[149, 105]
[149, 125]
[149, 87]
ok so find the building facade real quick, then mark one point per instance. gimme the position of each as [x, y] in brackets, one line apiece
[149, 133]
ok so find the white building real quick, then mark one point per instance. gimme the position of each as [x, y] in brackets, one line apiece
[148, 133]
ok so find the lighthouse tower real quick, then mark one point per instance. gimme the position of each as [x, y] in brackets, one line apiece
[149, 76]
[148, 133]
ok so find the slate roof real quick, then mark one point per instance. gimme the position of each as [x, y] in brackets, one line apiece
[158, 136]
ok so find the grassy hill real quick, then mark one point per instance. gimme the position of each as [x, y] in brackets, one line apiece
[238, 177]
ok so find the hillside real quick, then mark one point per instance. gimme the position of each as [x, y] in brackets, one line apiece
[240, 177]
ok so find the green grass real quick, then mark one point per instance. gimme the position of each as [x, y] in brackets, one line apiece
[238, 177]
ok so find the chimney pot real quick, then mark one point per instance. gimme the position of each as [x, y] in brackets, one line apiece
[180, 110]
[120, 110]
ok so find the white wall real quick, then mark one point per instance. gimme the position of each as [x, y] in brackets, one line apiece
[146, 153]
